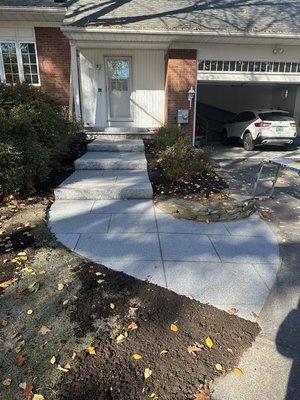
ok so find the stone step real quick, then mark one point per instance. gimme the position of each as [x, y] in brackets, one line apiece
[134, 145]
[119, 135]
[105, 185]
[111, 160]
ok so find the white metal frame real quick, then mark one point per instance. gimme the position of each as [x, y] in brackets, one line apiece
[213, 66]
[109, 119]
[19, 60]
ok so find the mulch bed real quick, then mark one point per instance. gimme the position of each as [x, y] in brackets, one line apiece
[112, 374]
[202, 187]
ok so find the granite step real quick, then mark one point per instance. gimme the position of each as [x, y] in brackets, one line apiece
[134, 145]
[105, 185]
[111, 160]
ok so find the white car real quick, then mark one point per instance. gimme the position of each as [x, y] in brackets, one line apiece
[256, 127]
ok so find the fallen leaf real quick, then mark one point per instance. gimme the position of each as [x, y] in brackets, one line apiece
[120, 338]
[256, 316]
[67, 366]
[238, 371]
[136, 357]
[8, 283]
[38, 397]
[53, 360]
[29, 312]
[65, 302]
[174, 327]
[154, 396]
[164, 352]
[34, 287]
[209, 343]
[22, 385]
[44, 329]
[22, 256]
[19, 346]
[60, 368]
[91, 350]
[74, 356]
[219, 367]
[230, 350]
[132, 326]
[3, 323]
[132, 311]
[193, 349]
[20, 360]
[112, 306]
[147, 373]
[6, 382]
[232, 311]
[60, 286]
[28, 391]
[202, 394]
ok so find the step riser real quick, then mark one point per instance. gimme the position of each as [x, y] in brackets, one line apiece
[87, 165]
[104, 194]
[115, 147]
[119, 136]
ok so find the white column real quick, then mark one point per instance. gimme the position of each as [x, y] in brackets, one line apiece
[75, 81]
[297, 109]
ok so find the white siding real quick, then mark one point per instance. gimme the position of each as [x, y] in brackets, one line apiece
[148, 80]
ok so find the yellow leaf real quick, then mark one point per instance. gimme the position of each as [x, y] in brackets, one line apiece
[174, 327]
[53, 360]
[232, 311]
[209, 343]
[60, 286]
[136, 357]
[147, 373]
[38, 397]
[91, 350]
[154, 396]
[60, 368]
[22, 385]
[8, 283]
[67, 366]
[29, 312]
[230, 350]
[44, 329]
[163, 352]
[120, 338]
[22, 256]
[112, 306]
[238, 371]
[219, 367]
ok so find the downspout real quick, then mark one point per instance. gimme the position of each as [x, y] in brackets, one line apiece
[195, 103]
[75, 81]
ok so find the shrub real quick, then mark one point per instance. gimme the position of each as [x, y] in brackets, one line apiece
[167, 136]
[34, 133]
[182, 161]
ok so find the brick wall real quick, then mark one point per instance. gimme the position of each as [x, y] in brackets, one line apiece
[53, 50]
[181, 74]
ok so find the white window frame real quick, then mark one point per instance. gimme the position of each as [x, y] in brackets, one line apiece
[18, 43]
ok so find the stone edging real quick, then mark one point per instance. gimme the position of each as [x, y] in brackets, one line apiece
[237, 207]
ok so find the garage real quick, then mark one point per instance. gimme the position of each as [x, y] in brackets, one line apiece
[226, 88]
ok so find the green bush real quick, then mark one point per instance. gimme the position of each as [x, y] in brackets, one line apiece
[167, 136]
[34, 133]
[182, 161]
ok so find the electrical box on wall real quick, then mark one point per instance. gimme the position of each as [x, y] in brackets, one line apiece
[183, 116]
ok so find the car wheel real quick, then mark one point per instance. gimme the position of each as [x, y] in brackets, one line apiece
[248, 142]
[224, 137]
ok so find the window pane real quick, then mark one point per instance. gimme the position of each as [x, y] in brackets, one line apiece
[29, 62]
[11, 69]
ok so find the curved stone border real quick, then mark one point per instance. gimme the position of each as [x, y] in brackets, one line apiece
[237, 207]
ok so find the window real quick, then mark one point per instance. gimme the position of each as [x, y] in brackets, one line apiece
[19, 63]
[244, 116]
[269, 67]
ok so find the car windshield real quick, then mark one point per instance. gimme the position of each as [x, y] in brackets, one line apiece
[275, 116]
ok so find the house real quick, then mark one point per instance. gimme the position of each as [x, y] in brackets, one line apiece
[134, 63]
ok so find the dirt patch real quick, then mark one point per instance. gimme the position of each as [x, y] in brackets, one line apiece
[202, 187]
[83, 304]
[176, 373]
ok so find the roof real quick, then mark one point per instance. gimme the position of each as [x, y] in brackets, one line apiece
[30, 3]
[241, 16]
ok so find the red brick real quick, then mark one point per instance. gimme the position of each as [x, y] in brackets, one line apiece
[53, 50]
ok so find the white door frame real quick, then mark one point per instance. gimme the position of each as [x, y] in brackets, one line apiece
[109, 119]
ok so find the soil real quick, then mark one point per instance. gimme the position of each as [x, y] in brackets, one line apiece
[201, 187]
[112, 374]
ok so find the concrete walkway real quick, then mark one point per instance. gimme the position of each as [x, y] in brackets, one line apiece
[225, 264]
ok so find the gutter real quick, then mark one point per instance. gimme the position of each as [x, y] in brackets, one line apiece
[36, 10]
[70, 29]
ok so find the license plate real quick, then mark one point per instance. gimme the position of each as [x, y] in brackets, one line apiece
[279, 129]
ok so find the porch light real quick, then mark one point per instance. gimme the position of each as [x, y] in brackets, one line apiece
[191, 95]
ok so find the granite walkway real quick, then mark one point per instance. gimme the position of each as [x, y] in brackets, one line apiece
[229, 265]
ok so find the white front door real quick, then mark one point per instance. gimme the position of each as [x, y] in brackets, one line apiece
[119, 88]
